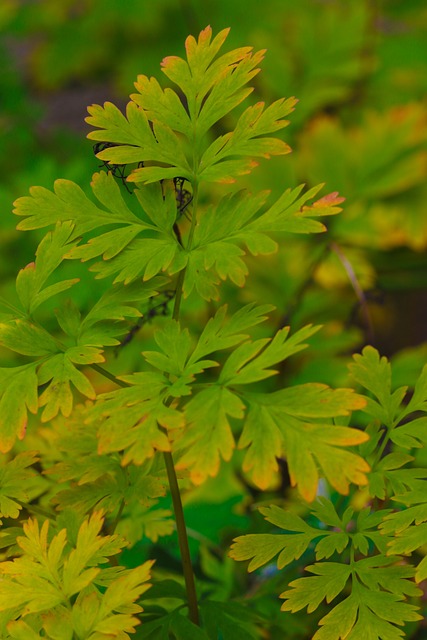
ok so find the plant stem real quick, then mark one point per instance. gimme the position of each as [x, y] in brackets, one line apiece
[181, 275]
[187, 567]
[118, 516]
[360, 294]
[109, 375]
[181, 530]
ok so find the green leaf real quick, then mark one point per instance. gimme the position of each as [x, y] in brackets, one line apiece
[224, 229]
[27, 338]
[170, 138]
[158, 102]
[261, 548]
[49, 254]
[69, 202]
[325, 511]
[175, 346]
[138, 521]
[57, 624]
[389, 479]
[158, 202]
[245, 366]
[141, 142]
[373, 607]
[145, 257]
[367, 524]
[208, 435]
[330, 580]
[103, 322]
[47, 573]
[183, 629]
[320, 401]
[69, 317]
[59, 371]
[271, 431]
[222, 333]
[20, 630]
[408, 540]
[290, 213]
[18, 389]
[106, 485]
[167, 588]
[418, 402]
[299, 537]
[35, 572]
[411, 434]
[175, 626]
[14, 476]
[374, 374]
[203, 79]
[245, 140]
[119, 245]
[120, 595]
[131, 419]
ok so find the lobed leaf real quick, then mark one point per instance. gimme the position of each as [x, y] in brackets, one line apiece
[245, 140]
[374, 374]
[68, 202]
[291, 214]
[103, 323]
[250, 362]
[30, 281]
[271, 431]
[48, 575]
[208, 435]
[27, 338]
[330, 580]
[136, 140]
[221, 333]
[261, 548]
[60, 372]
[18, 389]
[14, 476]
[373, 607]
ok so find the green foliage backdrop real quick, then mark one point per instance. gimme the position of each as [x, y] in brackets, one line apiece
[171, 312]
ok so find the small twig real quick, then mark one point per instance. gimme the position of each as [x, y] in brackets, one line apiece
[360, 294]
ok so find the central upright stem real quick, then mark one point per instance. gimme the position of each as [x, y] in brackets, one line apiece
[181, 529]
[187, 567]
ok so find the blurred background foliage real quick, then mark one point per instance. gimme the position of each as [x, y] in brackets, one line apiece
[359, 70]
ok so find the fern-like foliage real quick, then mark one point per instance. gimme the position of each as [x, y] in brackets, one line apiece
[173, 140]
[400, 424]
[58, 587]
[365, 571]
[196, 395]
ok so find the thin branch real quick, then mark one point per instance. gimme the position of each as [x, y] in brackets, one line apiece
[360, 294]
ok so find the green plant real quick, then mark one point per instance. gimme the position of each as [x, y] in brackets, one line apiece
[92, 482]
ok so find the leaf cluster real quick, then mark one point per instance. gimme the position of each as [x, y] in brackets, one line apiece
[203, 396]
[59, 585]
[363, 546]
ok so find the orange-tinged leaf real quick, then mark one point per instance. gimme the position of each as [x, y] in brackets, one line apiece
[208, 435]
[329, 200]
[273, 429]
[18, 389]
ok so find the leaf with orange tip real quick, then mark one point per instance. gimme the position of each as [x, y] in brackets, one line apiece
[208, 435]
[166, 130]
[18, 390]
[285, 424]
